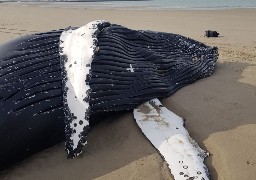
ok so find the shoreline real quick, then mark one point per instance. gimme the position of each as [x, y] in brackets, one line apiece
[219, 110]
[159, 16]
[82, 5]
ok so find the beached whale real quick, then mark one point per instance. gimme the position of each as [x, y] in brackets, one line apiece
[71, 79]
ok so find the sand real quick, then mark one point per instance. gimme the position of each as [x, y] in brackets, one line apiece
[220, 110]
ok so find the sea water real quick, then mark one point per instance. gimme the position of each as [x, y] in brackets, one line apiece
[151, 4]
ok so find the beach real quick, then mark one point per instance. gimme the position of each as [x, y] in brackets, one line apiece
[219, 110]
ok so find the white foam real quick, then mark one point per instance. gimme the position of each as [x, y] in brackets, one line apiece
[78, 46]
[166, 132]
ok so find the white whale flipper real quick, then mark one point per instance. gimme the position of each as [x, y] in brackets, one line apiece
[77, 49]
[166, 132]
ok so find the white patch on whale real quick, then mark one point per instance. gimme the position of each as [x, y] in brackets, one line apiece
[78, 46]
[166, 132]
[131, 69]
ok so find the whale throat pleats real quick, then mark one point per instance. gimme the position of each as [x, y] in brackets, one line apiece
[109, 68]
[56, 85]
[31, 98]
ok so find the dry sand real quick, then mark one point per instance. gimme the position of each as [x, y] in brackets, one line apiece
[220, 110]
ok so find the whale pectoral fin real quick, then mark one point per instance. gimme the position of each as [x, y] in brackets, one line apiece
[76, 122]
[166, 132]
[77, 49]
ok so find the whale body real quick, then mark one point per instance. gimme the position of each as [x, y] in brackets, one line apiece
[55, 85]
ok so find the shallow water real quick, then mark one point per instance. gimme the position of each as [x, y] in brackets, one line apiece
[154, 4]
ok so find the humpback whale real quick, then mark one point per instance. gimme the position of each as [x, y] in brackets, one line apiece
[55, 85]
